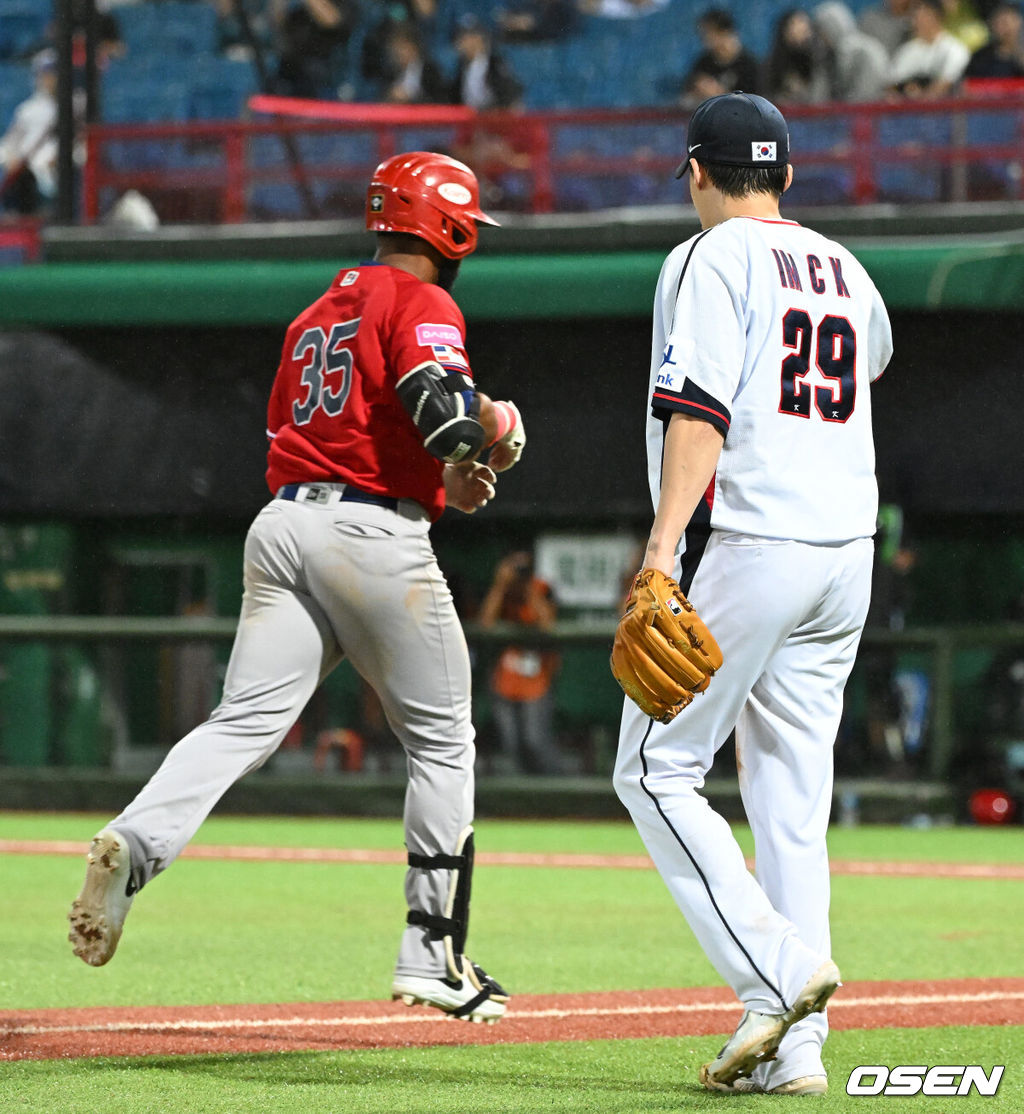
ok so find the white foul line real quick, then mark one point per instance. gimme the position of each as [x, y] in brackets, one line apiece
[229, 1024]
[376, 857]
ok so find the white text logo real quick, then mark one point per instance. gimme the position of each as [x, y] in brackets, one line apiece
[938, 1080]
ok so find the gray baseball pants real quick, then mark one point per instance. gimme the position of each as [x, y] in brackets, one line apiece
[321, 582]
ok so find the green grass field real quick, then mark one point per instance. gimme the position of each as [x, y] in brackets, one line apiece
[236, 932]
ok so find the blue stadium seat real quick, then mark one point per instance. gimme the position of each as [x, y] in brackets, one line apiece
[911, 181]
[364, 148]
[22, 27]
[275, 201]
[148, 103]
[137, 24]
[994, 178]
[265, 151]
[219, 88]
[15, 86]
[168, 27]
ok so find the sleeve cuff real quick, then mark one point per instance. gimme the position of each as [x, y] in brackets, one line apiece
[694, 401]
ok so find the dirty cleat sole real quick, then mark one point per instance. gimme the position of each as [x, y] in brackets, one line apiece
[97, 914]
[758, 1035]
[476, 997]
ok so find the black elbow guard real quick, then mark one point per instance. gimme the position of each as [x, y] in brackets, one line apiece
[445, 409]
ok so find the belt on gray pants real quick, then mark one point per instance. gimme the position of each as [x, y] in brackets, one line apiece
[324, 494]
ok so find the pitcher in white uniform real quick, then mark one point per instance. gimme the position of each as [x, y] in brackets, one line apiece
[766, 339]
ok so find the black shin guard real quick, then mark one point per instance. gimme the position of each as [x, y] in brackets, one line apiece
[453, 925]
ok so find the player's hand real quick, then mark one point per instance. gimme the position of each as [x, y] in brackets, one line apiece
[503, 456]
[469, 486]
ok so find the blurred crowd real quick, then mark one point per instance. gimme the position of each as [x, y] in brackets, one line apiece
[401, 52]
[895, 49]
[822, 52]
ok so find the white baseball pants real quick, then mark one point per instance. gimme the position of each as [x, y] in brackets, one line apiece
[788, 617]
[323, 581]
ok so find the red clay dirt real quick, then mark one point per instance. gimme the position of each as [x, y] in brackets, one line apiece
[895, 868]
[321, 1026]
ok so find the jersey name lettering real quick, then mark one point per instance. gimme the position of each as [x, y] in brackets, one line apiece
[789, 274]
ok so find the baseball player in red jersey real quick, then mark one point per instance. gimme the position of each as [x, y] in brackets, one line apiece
[375, 426]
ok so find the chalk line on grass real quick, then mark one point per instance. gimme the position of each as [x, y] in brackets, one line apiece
[350, 855]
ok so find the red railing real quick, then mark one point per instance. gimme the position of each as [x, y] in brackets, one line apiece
[19, 241]
[304, 166]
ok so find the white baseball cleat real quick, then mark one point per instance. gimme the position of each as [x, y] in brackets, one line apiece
[97, 914]
[803, 1085]
[474, 997]
[758, 1035]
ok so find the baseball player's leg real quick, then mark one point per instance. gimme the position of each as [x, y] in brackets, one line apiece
[393, 614]
[785, 737]
[282, 647]
[750, 594]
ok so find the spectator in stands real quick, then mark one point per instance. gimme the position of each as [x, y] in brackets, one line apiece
[859, 65]
[28, 149]
[537, 21]
[1003, 56]
[933, 61]
[962, 21]
[108, 41]
[521, 683]
[421, 15]
[483, 79]
[621, 9]
[234, 38]
[309, 37]
[888, 22]
[413, 76]
[724, 66]
[796, 71]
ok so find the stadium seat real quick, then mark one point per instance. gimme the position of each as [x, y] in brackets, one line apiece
[22, 27]
[219, 88]
[911, 181]
[146, 104]
[15, 86]
[169, 27]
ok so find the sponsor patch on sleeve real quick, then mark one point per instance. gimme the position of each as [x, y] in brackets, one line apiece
[669, 380]
[429, 335]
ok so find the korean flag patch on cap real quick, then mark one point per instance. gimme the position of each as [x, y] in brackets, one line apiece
[763, 152]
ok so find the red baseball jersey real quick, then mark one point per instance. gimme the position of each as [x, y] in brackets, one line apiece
[334, 414]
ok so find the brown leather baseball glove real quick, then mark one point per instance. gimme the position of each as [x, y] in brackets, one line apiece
[663, 653]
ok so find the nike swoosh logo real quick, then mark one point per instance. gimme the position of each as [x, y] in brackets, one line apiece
[694, 147]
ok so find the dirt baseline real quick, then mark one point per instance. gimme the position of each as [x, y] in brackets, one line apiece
[184, 1030]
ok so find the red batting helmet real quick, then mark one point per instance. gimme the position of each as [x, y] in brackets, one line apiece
[427, 195]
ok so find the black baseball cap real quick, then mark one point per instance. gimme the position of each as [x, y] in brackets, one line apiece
[737, 129]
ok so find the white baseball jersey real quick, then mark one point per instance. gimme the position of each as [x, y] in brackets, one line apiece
[773, 333]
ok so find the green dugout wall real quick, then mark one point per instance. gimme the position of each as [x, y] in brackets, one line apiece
[984, 272]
